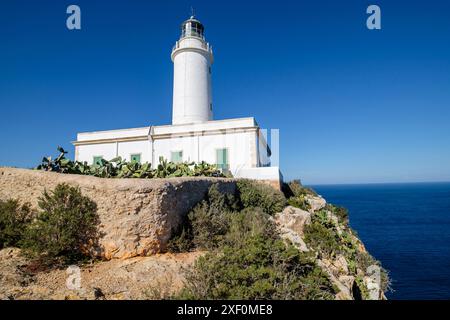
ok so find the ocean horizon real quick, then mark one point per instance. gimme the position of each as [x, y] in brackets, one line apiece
[407, 227]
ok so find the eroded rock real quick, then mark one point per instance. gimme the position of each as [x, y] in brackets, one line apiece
[137, 216]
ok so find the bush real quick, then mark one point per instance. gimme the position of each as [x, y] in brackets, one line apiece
[14, 219]
[294, 189]
[360, 291]
[207, 223]
[255, 264]
[299, 202]
[181, 240]
[340, 212]
[322, 239]
[250, 221]
[255, 194]
[66, 227]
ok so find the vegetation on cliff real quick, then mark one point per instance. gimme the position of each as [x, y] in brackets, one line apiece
[248, 259]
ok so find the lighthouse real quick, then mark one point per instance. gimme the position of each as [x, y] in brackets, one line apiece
[237, 145]
[192, 59]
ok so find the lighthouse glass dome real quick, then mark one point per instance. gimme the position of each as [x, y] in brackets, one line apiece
[192, 28]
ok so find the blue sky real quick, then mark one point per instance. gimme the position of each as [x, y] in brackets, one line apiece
[352, 105]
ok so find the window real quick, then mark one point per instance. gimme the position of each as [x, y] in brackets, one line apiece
[222, 159]
[97, 160]
[176, 156]
[210, 106]
[136, 158]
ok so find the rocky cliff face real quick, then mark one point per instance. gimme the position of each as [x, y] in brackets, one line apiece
[137, 215]
[291, 225]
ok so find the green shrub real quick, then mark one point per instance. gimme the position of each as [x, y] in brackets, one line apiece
[181, 240]
[207, 223]
[208, 226]
[14, 219]
[360, 291]
[340, 212]
[65, 229]
[250, 221]
[255, 264]
[295, 188]
[256, 194]
[322, 239]
[324, 219]
[299, 202]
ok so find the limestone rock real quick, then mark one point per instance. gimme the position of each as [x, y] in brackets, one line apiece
[316, 202]
[373, 287]
[341, 282]
[294, 219]
[137, 216]
[291, 222]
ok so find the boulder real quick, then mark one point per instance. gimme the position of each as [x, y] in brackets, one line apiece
[291, 222]
[293, 218]
[316, 202]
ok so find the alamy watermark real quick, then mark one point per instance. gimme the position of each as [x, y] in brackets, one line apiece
[73, 281]
[374, 20]
[73, 21]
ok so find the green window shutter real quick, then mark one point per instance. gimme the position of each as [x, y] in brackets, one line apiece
[222, 158]
[97, 160]
[176, 156]
[136, 158]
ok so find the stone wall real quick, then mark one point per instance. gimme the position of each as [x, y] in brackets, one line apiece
[137, 216]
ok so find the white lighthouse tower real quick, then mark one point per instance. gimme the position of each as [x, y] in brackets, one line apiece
[192, 58]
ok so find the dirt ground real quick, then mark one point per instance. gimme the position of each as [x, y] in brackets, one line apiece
[153, 277]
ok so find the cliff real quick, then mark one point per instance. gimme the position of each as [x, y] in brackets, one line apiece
[139, 217]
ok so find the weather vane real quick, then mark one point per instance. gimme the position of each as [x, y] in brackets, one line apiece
[192, 12]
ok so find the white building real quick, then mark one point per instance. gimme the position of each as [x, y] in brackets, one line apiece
[235, 145]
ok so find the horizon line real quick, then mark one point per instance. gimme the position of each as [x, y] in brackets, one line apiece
[374, 183]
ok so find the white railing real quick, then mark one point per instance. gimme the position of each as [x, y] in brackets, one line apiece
[204, 45]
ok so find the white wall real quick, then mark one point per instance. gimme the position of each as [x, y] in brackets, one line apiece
[265, 173]
[113, 134]
[241, 148]
[88, 152]
[111, 150]
[226, 124]
[126, 149]
[164, 147]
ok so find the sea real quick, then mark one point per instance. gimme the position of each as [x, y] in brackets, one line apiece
[407, 228]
